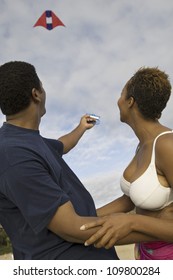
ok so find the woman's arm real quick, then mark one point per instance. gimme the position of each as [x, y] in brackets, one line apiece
[123, 228]
[135, 237]
[121, 204]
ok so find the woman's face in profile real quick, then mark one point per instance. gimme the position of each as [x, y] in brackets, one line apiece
[122, 104]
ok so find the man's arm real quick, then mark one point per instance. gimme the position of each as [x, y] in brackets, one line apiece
[71, 139]
[66, 223]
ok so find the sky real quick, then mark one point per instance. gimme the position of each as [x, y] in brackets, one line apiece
[84, 66]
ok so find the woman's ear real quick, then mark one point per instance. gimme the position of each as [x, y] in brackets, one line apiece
[131, 101]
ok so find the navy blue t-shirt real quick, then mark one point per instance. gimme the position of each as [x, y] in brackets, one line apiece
[34, 182]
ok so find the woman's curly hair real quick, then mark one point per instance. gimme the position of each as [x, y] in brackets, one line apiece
[151, 90]
[17, 79]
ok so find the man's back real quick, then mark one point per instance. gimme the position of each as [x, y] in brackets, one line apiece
[34, 182]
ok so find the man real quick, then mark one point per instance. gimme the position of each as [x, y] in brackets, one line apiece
[42, 202]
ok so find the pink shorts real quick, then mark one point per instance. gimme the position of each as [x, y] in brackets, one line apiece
[157, 250]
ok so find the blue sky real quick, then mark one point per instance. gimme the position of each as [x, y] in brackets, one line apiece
[84, 67]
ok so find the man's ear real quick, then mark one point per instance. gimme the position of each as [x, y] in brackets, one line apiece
[36, 95]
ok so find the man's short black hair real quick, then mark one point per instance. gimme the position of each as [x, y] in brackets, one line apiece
[17, 79]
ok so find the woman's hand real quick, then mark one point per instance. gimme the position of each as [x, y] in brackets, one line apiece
[113, 228]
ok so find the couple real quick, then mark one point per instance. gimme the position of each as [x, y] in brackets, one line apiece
[45, 209]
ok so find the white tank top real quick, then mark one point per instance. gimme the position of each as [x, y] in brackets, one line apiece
[146, 192]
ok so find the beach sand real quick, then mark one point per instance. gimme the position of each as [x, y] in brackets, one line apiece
[6, 257]
[125, 252]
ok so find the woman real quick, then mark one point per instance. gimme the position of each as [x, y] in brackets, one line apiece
[147, 182]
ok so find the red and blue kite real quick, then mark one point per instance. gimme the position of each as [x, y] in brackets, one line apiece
[49, 20]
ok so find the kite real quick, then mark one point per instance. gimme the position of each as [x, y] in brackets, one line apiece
[49, 20]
